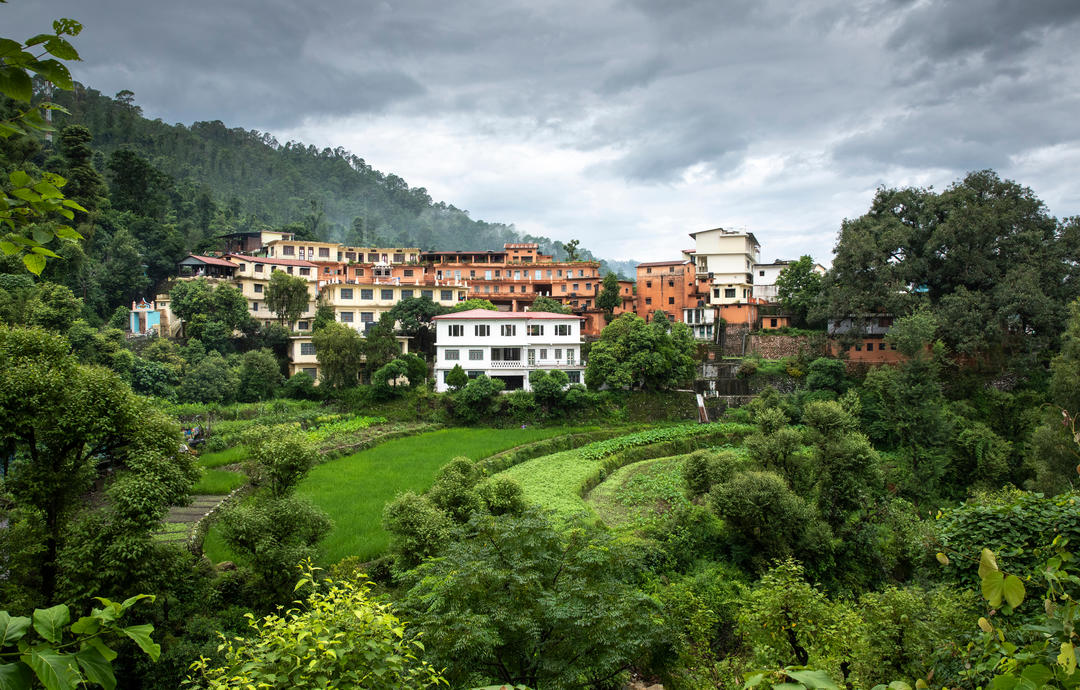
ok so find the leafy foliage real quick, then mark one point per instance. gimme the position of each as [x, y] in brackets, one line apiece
[62, 654]
[338, 637]
[635, 354]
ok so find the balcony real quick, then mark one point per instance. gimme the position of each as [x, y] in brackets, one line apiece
[507, 364]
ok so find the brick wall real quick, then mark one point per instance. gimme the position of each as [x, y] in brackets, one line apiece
[780, 346]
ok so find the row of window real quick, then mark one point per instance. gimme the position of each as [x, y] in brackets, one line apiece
[388, 294]
[324, 253]
[457, 330]
[870, 346]
[670, 300]
[511, 354]
[261, 268]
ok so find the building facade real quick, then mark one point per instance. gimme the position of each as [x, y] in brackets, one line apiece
[507, 345]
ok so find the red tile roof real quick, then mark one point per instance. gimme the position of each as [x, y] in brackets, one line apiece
[665, 263]
[270, 260]
[488, 314]
[213, 261]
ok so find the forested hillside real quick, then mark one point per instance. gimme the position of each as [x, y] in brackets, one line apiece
[156, 191]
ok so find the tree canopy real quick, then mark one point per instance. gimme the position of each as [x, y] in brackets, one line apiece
[633, 354]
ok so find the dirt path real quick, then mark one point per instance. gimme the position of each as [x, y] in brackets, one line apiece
[182, 519]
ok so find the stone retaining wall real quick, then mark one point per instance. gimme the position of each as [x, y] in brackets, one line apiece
[780, 346]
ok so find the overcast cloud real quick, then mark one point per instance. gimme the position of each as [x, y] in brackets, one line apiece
[624, 124]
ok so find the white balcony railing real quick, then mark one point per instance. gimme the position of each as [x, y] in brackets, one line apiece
[507, 364]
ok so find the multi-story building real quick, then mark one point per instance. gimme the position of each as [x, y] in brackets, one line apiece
[302, 356]
[507, 345]
[726, 258]
[512, 278]
[360, 304]
[253, 278]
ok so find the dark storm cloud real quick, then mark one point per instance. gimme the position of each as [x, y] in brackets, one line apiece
[650, 89]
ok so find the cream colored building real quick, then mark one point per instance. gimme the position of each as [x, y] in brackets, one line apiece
[253, 278]
[302, 357]
[335, 252]
[359, 305]
[727, 259]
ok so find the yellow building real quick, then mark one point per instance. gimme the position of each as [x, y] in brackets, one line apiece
[359, 305]
[252, 276]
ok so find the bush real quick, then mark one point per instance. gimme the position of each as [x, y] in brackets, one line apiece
[767, 520]
[300, 386]
[825, 373]
[477, 399]
[522, 407]
[417, 529]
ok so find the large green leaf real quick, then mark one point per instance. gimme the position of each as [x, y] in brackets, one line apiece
[34, 263]
[1014, 591]
[56, 671]
[141, 635]
[12, 628]
[15, 84]
[16, 676]
[87, 625]
[54, 71]
[50, 622]
[993, 587]
[987, 563]
[1005, 682]
[96, 667]
[814, 679]
[1035, 676]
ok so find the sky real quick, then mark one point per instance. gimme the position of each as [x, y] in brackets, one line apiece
[625, 124]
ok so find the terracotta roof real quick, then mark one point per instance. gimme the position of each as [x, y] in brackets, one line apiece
[665, 263]
[488, 314]
[211, 260]
[270, 260]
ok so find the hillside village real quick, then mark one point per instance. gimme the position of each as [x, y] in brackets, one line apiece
[321, 449]
[721, 280]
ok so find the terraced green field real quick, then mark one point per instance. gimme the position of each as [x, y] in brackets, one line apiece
[638, 494]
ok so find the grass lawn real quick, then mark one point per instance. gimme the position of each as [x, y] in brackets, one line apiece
[553, 481]
[229, 456]
[635, 495]
[354, 489]
[218, 482]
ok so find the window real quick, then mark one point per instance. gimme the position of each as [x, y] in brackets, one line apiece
[399, 258]
[506, 354]
[430, 294]
[372, 257]
[475, 355]
[359, 272]
[535, 329]
[564, 287]
[648, 300]
[577, 286]
[772, 323]
[648, 270]
[892, 346]
[648, 283]
[729, 293]
[406, 294]
[588, 287]
[288, 251]
[408, 273]
[511, 288]
[326, 270]
[570, 356]
[497, 273]
[538, 274]
[258, 287]
[346, 293]
[671, 283]
[324, 252]
[386, 294]
[456, 330]
[716, 293]
[858, 347]
[254, 306]
[562, 329]
[580, 273]
[543, 353]
[302, 325]
[559, 273]
[346, 317]
[671, 300]
[258, 268]
[367, 293]
[558, 353]
[450, 355]
[517, 275]
[487, 275]
[307, 348]
[305, 271]
[761, 273]
[573, 376]
[367, 317]
[508, 329]
[351, 256]
[474, 374]
[288, 270]
[481, 330]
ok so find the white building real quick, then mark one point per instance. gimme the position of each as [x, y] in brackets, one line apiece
[765, 276]
[507, 345]
[727, 258]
